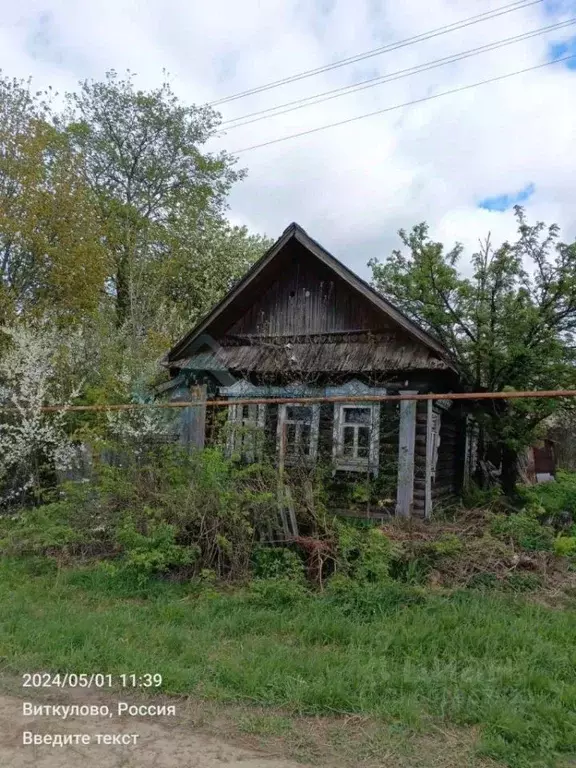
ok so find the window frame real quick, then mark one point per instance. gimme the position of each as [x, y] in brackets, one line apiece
[237, 441]
[356, 463]
[313, 423]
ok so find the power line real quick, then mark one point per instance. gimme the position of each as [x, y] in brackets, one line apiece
[405, 104]
[486, 16]
[291, 106]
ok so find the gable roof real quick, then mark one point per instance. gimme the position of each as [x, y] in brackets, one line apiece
[350, 278]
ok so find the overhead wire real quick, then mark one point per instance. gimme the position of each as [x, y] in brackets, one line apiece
[446, 28]
[405, 104]
[320, 98]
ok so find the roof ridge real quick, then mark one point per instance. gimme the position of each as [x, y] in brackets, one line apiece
[343, 271]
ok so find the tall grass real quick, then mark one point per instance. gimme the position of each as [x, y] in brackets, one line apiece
[467, 658]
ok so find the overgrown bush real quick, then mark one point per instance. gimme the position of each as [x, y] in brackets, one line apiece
[565, 546]
[277, 563]
[39, 531]
[155, 551]
[159, 509]
[553, 503]
[416, 560]
[524, 530]
[363, 554]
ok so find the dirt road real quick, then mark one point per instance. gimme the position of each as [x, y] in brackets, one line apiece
[160, 744]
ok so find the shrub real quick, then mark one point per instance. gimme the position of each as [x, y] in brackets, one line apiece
[524, 530]
[416, 560]
[277, 562]
[555, 501]
[448, 545]
[40, 531]
[363, 554]
[483, 581]
[565, 546]
[160, 508]
[154, 552]
[515, 581]
[475, 497]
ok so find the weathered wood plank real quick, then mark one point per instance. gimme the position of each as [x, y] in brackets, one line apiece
[406, 445]
[429, 458]
[193, 419]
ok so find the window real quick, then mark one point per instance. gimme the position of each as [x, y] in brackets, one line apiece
[298, 432]
[356, 436]
[246, 426]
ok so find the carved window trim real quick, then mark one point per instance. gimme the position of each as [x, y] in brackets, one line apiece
[356, 463]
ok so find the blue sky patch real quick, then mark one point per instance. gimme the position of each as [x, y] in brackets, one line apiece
[566, 48]
[556, 7]
[503, 202]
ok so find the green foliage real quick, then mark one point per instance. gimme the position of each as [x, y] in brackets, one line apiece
[515, 581]
[448, 545]
[553, 499]
[360, 492]
[565, 546]
[414, 562]
[277, 562]
[366, 601]
[523, 581]
[486, 580]
[363, 555]
[523, 530]
[43, 530]
[52, 261]
[163, 198]
[478, 498]
[154, 552]
[491, 661]
[508, 325]
[113, 220]
[158, 508]
[276, 592]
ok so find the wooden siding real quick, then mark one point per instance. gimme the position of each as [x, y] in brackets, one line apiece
[309, 320]
[294, 261]
[450, 466]
[420, 461]
[307, 299]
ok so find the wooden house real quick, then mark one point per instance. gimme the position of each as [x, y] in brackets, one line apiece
[300, 324]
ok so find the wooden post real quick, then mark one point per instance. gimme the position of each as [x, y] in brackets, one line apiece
[406, 446]
[429, 458]
[470, 451]
[193, 419]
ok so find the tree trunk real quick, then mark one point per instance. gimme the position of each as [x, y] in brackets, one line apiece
[509, 476]
[122, 290]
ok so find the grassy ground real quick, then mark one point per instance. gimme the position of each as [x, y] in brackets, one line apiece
[501, 665]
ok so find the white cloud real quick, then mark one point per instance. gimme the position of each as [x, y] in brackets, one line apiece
[353, 186]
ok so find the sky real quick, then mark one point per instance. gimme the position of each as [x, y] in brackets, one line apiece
[458, 161]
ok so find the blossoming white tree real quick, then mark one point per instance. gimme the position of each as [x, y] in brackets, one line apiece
[32, 440]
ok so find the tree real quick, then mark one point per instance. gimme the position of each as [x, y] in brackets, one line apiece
[510, 325]
[52, 260]
[35, 372]
[143, 160]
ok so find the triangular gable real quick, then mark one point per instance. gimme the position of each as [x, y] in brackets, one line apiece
[189, 343]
